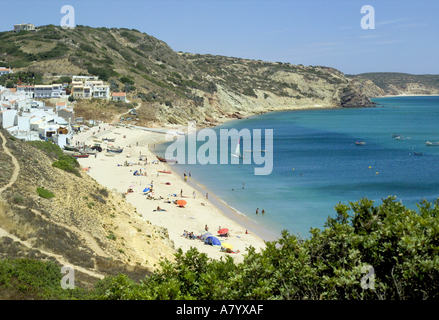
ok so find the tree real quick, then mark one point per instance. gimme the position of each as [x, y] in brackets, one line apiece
[9, 84]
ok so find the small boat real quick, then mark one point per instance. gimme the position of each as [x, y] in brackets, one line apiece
[164, 171]
[109, 140]
[71, 148]
[97, 140]
[417, 153]
[399, 138]
[166, 160]
[80, 155]
[429, 143]
[110, 154]
[237, 153]
[360, 143]
[115, 150]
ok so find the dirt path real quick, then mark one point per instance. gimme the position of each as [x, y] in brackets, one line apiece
[117, 117]
[3, 233]
[15, 163]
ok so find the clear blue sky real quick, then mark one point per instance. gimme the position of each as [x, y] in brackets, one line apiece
[328, 33]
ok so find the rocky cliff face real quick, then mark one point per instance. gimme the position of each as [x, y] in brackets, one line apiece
[411, 89]
[378, 84]
[271, 89]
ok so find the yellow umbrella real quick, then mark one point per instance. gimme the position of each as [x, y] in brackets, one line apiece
[227, 245]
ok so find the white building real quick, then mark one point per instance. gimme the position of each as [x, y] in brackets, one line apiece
[24, 27]
[49, 91]
[119, 96]
[101, 91]
[5, 71]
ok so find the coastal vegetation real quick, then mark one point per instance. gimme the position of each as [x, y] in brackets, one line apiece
[401, 245]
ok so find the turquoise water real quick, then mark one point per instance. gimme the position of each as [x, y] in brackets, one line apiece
[316, 163]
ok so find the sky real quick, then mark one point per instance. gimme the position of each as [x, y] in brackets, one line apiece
[308, 32]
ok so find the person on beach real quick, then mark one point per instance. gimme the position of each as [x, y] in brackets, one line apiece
[207, 196]
[206, 228]
[194, 194]
[181, 192]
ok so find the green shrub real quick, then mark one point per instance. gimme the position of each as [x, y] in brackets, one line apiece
[43, 193]
[17, 199]
[66, 166]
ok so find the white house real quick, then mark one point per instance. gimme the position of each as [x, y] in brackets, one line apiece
[5, 71]
[24, 27]
[119, 96]
[101, 91]
[7, 118]
[49, 91]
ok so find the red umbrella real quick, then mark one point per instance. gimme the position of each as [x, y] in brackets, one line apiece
[223, 231]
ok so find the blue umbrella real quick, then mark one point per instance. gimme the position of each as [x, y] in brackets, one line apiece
[146, 190]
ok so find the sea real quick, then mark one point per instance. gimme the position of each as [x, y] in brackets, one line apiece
[318, 164]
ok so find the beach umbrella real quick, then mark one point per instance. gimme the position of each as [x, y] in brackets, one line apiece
[146, 190]
[212, 241]
[223, 231]
[181, 203]
[205, 235]
[227, 245]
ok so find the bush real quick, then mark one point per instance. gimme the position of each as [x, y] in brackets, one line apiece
[64, 165]
[17, 199]
[43, 193]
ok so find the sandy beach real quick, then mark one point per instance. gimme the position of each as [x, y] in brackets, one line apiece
[113, 173]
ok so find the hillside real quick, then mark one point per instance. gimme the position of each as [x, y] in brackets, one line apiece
[83, 225]
[393, 83]
[175, 86]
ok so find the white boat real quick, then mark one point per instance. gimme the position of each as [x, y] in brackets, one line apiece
[429, 143]
[237, 153]
[360, 143]
[110, 154]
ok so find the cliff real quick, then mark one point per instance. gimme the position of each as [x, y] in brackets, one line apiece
[380, 84]
[175, 86]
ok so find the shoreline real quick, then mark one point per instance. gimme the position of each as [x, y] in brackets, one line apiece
[111, 172]
[230, 212]
[407, 95]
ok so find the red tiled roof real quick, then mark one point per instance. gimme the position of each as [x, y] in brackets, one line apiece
[119, 94]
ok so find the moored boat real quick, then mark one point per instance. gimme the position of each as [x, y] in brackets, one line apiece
[429, 143]
[114, 150]
[360, 143]
[80, 155]
[71, 148]
[166, 160]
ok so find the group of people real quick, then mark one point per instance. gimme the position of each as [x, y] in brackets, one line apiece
[189, 235]
[257, 211]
